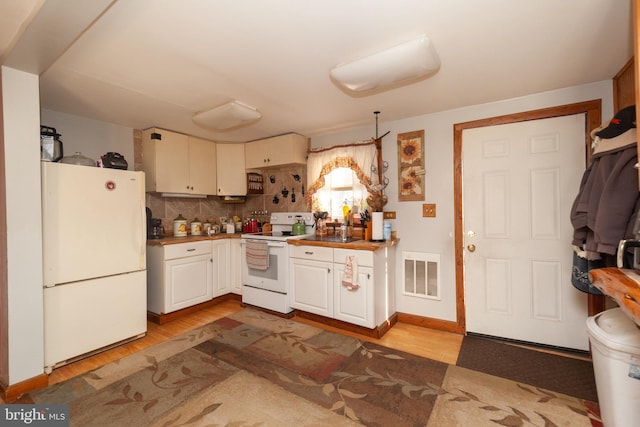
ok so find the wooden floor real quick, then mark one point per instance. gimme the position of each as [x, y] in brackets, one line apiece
[437, 345]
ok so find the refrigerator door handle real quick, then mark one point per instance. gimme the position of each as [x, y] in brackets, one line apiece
[143, 235]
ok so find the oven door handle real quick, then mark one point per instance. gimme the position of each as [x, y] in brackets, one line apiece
[270, 244]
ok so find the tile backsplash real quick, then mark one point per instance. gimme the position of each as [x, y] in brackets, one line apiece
[287, 179]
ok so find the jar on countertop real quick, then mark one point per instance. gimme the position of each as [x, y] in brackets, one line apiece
[180, 226]
[196, 227]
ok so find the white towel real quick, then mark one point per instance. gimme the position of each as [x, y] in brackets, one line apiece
[350, 277]
[257, 255]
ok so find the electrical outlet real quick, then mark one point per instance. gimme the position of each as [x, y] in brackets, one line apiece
[389, 215]
[429, 210]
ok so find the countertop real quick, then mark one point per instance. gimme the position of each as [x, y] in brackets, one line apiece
[170, 240]
[330, 241]
[622, 285]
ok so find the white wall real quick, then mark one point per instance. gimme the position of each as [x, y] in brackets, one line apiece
[90, 137]
[435, 235]
[21, 131]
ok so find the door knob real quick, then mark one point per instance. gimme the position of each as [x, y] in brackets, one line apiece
[471, 248]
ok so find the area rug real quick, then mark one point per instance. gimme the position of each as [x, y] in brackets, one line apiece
[561, 374]
[252, 368]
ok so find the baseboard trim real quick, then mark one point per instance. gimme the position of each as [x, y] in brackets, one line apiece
[376, 332]
[13, 392]
[431, 323]
[162, 318]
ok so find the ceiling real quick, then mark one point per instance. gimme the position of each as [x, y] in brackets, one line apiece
[143, 63]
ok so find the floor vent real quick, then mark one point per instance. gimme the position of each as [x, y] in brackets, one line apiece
[421, 274]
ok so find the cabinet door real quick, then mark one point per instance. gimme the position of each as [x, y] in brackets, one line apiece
[354, 305]
[187, 282]
[312, 286]
[257, 154]
[221, 261]
[236, 266]
[166, 161]
[277, 151]
[230, 170]
[202, 166]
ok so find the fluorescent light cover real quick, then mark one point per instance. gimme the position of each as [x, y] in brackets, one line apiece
[227, 116]
[406, 61]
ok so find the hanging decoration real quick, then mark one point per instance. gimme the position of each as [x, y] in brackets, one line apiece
[411, 166]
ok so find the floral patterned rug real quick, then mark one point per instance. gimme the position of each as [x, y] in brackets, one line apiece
[252, 368]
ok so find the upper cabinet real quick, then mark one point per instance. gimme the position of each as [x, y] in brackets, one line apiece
[276, 151]
[232, 180]
[177, 163]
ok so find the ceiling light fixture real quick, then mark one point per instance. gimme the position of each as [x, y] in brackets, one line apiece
[407, 61]
[228, 116]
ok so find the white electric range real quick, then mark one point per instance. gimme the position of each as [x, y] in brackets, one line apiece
[269, 288]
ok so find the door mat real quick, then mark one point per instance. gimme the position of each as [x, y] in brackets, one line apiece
[566, 375]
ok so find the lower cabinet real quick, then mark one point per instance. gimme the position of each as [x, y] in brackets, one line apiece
[236, 266]
[317, 275]
[184, 274]
[312, 286]
[178, 276]
[354, 305]
[222, 272]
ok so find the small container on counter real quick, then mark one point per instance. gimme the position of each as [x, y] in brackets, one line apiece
[231, 228]
[206, 226]
[180, 226]
[196, 227]
[386, 230]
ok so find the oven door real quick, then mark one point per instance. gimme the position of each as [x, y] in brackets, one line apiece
[274, 278]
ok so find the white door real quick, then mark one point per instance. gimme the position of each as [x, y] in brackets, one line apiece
[519, 181]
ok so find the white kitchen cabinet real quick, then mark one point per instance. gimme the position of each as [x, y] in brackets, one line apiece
[178, 276]
[354, 305]
[276, 151]
[178, 163]
[316, 284]
[230, 169]
[311, 270]
[222, 262]
[236, 266]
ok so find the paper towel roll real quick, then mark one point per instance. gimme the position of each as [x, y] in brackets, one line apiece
[376, 226]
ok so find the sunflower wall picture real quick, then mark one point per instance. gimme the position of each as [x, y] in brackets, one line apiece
[411, 166]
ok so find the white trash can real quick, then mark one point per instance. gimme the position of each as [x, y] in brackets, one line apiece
[615, 350]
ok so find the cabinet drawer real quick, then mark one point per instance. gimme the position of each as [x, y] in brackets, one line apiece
[181, 250]
[316, 253]
[364, 258]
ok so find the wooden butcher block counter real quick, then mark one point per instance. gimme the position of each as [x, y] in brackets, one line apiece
[622, 285]
[330, 241]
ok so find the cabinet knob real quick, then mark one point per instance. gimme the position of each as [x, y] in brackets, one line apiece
[308, 252]
[329, 270]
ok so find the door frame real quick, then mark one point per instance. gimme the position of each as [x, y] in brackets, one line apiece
[592, 110]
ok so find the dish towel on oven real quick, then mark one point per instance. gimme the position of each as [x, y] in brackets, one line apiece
[350, 273]
[257, 255]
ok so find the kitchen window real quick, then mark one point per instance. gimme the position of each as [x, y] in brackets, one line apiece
[341, 174]
[341, 187]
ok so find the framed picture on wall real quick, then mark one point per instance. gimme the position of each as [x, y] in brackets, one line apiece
[411, 166]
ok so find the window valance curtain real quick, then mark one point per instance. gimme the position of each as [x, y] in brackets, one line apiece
[358, 156]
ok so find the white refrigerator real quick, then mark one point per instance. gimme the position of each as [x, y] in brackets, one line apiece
[94, 260]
